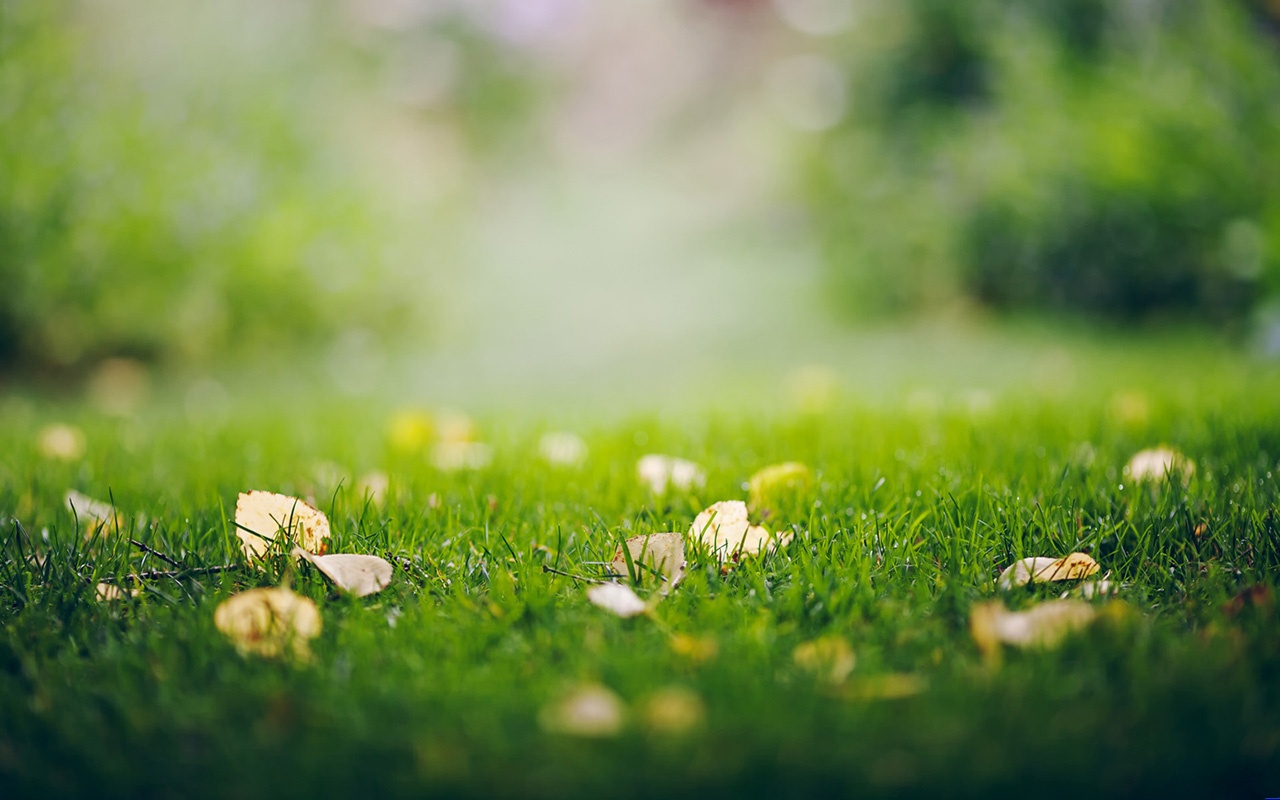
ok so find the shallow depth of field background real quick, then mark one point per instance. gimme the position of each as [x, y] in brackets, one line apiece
[511, 200]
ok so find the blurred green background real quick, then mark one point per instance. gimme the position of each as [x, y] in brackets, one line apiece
[181, 186]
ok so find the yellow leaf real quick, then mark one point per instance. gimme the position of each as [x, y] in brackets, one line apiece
[107, 592]
[830, 658]
[673, 710]
[724, 529]
[590, 711]
[662, 552]
[93, 512]
[261, 516]
[777, 483]
[355, 574]
[698, 649]
[1043, 625]
[410, 431]
[1043, 569]
[269, 622]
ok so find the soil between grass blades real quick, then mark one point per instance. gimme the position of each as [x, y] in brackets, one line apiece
[435, 685]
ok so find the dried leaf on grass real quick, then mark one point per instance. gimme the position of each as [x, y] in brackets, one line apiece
[1043, 625]
[269, 622]
[95, 512]
[1156, 463]
[617, 599]
[725, 530]
[661, 472]
[108, 592]
[1044, 569]
[590, 711]
[359, 575]
[262, 516]
[663, 553]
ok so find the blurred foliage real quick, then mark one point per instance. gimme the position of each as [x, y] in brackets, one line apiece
[1110, 158]
[175, 184]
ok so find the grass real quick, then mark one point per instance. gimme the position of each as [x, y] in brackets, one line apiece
[434, 686]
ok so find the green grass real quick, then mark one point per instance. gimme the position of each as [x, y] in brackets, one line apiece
[434, 686]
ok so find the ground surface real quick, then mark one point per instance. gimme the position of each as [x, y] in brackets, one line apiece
[931, 479]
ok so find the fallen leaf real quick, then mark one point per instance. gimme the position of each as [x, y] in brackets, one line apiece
[662, 472]
[1043, 625]
[563, 449]
[590, 711]
[360, 575]
[267, 622]
[725, 530]
[673, 710]
[1156, 463]
[95, 512]
[262, 516]
[60, 442]
[108, 592]
[698, 649]
[617, 599]
[1043, 569]
[661, 552]
[830, 658]
[776, 484]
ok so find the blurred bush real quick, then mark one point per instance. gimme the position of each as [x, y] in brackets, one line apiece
[1114, 158]
[169, 188]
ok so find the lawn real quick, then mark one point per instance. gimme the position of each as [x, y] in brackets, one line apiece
[447, 682]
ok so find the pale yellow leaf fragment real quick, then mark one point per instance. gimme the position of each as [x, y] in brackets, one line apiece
[673, 710]
[1043, 569]
[356, 574]
[60, 442]
[590, 711]
[1043, 625]
[725, 530]
[663, 553]
[269, 622]
[94, 512]
[661, 472]
[617, 599]
[262, 516]
[1156, 463]
[829, 658]
[108, 592]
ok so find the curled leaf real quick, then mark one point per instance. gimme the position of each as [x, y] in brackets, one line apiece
[775, 484]
[269, 622]
[725, 530]
[661, 472]
[1043, 569]
[663, 553]
[1043, 625]
[563, 449]
[617, 599]
[355, 574]
[261, 516]
[1156, 463]
[590, 711]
